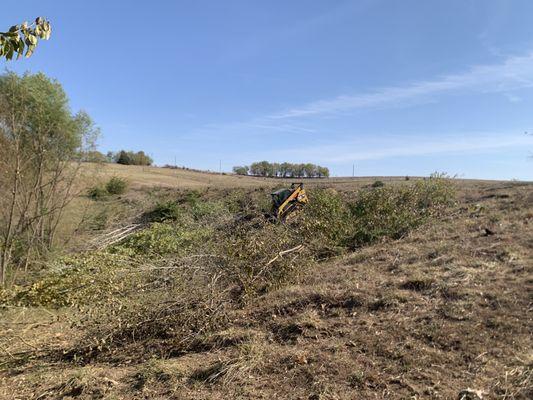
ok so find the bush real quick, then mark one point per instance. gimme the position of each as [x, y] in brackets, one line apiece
[326, 222]
[164, 239]
[252, 260]
[97, 192]
[116, 185]
[392, 212]
[165, 211]
[240, 170]
[378, 184]
[180, 316]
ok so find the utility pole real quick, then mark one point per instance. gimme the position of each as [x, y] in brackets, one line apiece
[220, 166]
[353, 170]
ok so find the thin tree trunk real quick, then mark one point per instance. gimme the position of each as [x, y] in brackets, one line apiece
[8, 239]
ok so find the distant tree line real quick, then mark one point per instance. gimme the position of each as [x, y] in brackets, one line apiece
[120, 157]
[130, 158]
[283, 170]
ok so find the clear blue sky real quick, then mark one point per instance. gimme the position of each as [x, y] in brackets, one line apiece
[396, 87]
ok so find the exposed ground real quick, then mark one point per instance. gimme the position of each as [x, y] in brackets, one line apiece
[425, 317]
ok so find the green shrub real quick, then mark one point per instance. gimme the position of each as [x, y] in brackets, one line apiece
[165, 211]
[97, 192]
[326, 222]
[391, 212]
[207, 210]
[82, 279]
[378, 184]
[165, 239]
[116, 185]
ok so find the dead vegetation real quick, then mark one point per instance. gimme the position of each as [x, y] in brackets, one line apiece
[424, 305]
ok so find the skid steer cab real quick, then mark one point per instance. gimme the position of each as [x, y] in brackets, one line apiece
[287, 202]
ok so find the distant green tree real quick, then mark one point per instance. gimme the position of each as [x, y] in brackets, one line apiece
[310, 170]
[286, 170]
[140, 158]
[94, 156]
[240, 170]
[23, 38]
[123, 158]
[322, 172]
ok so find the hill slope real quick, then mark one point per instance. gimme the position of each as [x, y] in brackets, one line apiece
[444, 309]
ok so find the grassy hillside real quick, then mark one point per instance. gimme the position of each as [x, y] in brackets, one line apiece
[142, 177]
[145, 177]
[392, 294]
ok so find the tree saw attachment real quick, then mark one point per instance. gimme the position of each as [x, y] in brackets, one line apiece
[286, 202]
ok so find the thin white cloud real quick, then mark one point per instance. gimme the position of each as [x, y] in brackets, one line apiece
[390, 147]
[513, 73]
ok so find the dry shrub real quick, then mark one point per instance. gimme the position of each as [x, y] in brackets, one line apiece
[248, 356]
[260, 255]
[177, 316]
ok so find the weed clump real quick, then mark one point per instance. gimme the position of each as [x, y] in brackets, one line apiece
[113, 186]
[165, 211]
[97, 192]
[116, 185]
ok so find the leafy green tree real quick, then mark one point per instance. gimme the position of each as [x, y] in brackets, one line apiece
[322, 172]
[41, 145]
[94, 156]
[140, 158]
[123, 158]
[310, 170]
[131, 158]
[284, 170]
[22, 39]
[240, 170]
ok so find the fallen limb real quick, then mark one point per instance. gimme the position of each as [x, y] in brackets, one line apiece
[282, 253]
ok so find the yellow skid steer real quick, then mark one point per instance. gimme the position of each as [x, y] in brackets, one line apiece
[285, 202]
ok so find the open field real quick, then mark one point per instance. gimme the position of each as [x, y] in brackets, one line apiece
[444, 308]
[146, 177]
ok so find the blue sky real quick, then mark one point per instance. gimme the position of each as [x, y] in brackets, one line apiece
[394, 87]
